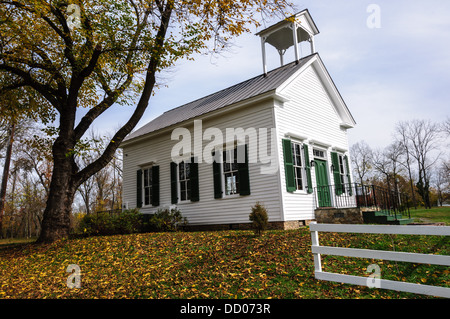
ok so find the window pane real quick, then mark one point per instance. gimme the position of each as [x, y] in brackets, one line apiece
[298, 173]
[341, 165]
[228, 184]
[188, 190]
[183, 190]
[293, 153]
[147, 196]
[181, 171]
[299, 160]
[146, 183]
[187, 170]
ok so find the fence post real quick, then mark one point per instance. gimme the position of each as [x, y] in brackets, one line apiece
[315, 242]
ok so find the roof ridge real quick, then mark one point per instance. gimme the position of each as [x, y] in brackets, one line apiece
[244, 90]
[240, 83]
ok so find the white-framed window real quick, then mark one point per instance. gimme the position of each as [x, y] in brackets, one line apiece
[299, 165]
[230, 171]
[184, 181]
[147, 186]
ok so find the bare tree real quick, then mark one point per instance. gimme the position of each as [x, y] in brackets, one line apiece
[446, 126]
[402, 137]
[361, 159]
[382, 165]
[420, 139]
[394, 154]
[440, 181]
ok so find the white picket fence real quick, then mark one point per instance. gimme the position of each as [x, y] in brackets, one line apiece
[317, 250]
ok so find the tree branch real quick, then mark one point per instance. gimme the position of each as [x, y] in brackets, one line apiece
[87, 71]
[96, 111]
[46, 90]
[150, 81]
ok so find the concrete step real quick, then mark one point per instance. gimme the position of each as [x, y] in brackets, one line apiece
[380, 217]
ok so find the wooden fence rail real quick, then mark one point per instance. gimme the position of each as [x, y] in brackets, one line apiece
[317, 250]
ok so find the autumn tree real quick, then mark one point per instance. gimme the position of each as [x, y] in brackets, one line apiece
[18, 108]
[95, 53]
[25, 193]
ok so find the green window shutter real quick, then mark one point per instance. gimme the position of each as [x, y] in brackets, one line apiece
[348, 176]
[155, 186]
[139, 189]
[195, 194]
[244, 176]
[289, 166]
[336, 174]
[173, 183]
[308, 169]
[217, 174]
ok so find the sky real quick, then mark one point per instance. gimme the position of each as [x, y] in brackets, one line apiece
[389, 67]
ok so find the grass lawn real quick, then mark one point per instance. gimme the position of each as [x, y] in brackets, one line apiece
[436, 214]
[210, 265]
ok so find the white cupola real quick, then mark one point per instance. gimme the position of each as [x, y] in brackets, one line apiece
[287, 33]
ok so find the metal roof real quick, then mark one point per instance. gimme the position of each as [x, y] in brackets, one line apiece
[240, 92]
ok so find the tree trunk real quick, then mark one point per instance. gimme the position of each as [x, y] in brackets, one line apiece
[6, 174]
[411, 183]
[56, 218]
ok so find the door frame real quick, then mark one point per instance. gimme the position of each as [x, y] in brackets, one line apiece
[323, 191]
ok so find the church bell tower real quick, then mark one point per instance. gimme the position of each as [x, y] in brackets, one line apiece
[287, 33]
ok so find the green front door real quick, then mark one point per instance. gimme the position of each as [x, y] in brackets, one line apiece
[323, 189]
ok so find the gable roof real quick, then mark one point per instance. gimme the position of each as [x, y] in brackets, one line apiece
[251, 88]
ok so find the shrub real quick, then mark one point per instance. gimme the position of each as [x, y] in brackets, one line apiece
[166, 220]
[259, 218]
[104, 223]
[128, 222]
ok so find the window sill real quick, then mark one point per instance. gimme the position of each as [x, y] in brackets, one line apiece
[231, 196]
[301, 193]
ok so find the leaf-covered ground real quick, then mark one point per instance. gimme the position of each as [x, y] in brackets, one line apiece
[228, 264]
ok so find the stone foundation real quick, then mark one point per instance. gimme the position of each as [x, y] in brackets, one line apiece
[287, 225]
[339, 216]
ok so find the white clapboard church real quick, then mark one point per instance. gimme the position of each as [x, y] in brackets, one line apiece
[276, 139]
